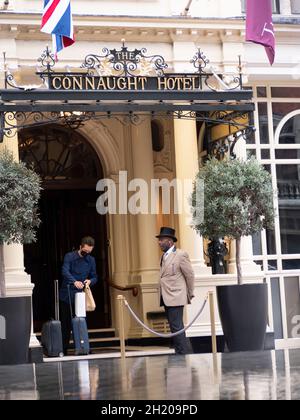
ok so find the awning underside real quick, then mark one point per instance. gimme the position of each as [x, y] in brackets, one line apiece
[27, 108]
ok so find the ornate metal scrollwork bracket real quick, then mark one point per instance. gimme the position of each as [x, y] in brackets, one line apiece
[47, 61]
[200, 61]
[125, 63]
[11, 122]
[211, 79]
[225, 146]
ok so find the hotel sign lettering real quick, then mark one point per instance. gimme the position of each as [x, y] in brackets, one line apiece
[74, 82]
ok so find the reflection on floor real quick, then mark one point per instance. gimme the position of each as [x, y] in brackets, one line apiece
[241, 376]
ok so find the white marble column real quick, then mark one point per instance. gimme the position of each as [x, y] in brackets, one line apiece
[18, 283]
[187, 166]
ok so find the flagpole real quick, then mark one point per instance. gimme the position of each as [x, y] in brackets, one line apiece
[5, 69]
[186, 10]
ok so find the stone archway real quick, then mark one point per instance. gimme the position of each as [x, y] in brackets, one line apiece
[70, 169]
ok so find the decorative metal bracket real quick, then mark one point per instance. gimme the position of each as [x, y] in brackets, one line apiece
[125, 63]
[200, 62]
[47, 61]
[211, 79]
[224, 147]
[10, 122]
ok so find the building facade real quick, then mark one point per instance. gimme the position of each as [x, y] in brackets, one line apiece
[127, 253]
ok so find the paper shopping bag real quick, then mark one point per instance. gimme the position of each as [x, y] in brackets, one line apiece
[89, 300]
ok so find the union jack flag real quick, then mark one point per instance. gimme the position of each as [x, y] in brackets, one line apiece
[57, 20]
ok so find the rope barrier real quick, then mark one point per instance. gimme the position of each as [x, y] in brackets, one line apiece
[131, 311]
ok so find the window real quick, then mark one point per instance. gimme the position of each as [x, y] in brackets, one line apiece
[275, 3]
[59, 155]
[158, 141]
[277, 146]
[295, 6]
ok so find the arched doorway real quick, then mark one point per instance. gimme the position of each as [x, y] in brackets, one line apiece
[70, 169]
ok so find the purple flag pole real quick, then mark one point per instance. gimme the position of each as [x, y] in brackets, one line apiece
[259, 25]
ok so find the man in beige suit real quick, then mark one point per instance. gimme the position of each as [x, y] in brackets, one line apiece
[177, 281]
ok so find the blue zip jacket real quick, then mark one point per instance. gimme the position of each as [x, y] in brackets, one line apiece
[76, 268]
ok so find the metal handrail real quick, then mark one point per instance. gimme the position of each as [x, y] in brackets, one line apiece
[134, 289]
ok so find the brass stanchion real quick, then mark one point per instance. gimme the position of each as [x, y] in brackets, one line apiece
[121, 300]
[213, 322]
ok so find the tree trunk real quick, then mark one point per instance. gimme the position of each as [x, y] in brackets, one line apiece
[2, 275]
[238, 261]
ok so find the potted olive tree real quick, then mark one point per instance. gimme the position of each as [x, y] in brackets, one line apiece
[238, 201]
[19, 195]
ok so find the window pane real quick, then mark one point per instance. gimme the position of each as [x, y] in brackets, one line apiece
[265, 154]
[280, 110]
[251, 136]
[287, 154]
[256, 242]
[289, 207]
[272, 265]
[261, 92]
[295, 6]
[251, 153]
[292, 298]
[291, 265]
[290, 133]
[263, 123]
[285, 92]
[276, 305]
[268, 168]
[271, 242]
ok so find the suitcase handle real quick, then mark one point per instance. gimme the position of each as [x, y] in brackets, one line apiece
[71, 310]
[56, 297]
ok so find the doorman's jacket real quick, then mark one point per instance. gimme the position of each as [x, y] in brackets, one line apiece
[177, 279]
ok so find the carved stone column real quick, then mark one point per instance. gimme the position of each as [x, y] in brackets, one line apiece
[187, 166]
[18, 283]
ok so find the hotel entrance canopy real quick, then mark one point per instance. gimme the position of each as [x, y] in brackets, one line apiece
[125, 84]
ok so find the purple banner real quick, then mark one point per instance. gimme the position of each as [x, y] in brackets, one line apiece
[259, 25]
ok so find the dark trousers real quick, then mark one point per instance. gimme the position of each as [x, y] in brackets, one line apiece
[181, 343]
[66, 323]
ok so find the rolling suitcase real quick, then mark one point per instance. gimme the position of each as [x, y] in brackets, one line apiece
[51, 332]
[80, 333]
[80, 336]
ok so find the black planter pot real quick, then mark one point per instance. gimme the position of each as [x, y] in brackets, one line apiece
[15, 322]
[244, 316]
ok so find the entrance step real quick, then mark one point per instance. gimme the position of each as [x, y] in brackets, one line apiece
[100, 338]
[115, 354]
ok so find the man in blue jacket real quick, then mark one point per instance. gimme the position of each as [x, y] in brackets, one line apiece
[79, 269]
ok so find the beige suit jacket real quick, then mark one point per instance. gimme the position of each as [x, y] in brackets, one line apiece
[177, 279]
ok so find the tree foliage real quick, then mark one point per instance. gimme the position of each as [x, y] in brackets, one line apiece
[19, 194]
[238, 199]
